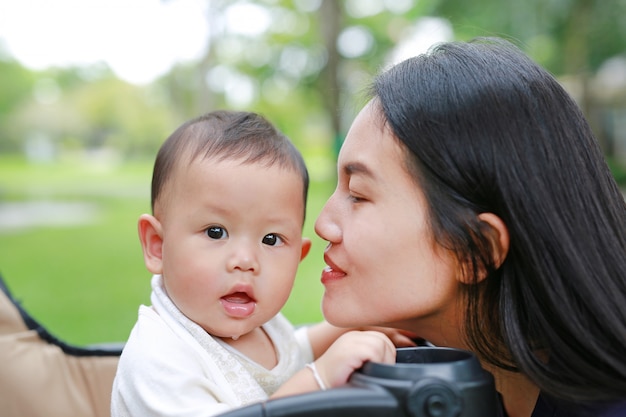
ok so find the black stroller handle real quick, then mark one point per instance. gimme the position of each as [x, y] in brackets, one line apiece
[342, 401]
[424, 382]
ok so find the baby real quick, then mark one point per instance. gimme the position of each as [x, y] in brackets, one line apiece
[224, 242]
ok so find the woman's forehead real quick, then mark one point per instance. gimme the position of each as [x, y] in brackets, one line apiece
[369, 143]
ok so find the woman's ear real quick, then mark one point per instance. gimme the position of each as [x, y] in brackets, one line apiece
[498, 236]
[151, 237]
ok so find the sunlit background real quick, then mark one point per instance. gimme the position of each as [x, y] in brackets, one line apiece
[89, 89]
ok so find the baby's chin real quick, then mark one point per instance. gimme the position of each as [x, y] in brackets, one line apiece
[233, 333]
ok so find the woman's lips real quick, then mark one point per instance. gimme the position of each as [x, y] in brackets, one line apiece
[238, 304]
[329, 275]
[332, 272]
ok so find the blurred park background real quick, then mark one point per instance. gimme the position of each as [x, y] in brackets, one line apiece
[89, 90]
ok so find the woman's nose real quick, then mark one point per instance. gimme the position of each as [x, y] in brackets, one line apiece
[326, 225]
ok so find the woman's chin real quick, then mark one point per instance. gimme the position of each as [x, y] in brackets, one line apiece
[338, 318]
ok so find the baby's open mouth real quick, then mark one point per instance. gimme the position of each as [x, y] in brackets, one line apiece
[238, 304]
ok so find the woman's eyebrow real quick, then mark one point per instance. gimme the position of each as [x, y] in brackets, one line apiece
[357, 168]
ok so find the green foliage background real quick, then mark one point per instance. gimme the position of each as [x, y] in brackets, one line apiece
[100, 134]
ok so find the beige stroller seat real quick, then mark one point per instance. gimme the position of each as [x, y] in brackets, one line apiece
[42, 376]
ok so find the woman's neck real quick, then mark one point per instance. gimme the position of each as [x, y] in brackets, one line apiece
[519, 394]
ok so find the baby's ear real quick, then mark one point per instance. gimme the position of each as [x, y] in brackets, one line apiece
[498, 236]
[151, 237]
[306, 247]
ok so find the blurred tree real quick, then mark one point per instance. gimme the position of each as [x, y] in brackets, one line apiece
[306, 64]
[331, 20]
[571, 38]
[296, 60]
[121, 116]
[16, 84]
[73, 110]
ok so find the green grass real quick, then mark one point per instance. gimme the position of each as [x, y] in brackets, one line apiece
[86, 282]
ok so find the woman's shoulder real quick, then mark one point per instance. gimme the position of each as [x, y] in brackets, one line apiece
[549, 407]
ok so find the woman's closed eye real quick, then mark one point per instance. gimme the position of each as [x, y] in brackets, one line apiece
[356, 197]
[216, 232]
[272, 239]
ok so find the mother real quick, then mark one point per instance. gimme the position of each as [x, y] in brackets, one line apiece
[474, 208]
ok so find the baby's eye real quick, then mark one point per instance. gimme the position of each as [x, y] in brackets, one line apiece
[216, 232]
[272, 240]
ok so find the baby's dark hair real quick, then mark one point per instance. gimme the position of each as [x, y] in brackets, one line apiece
[222, 135]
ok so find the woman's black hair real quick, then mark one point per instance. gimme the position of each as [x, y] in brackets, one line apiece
[488, 130]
